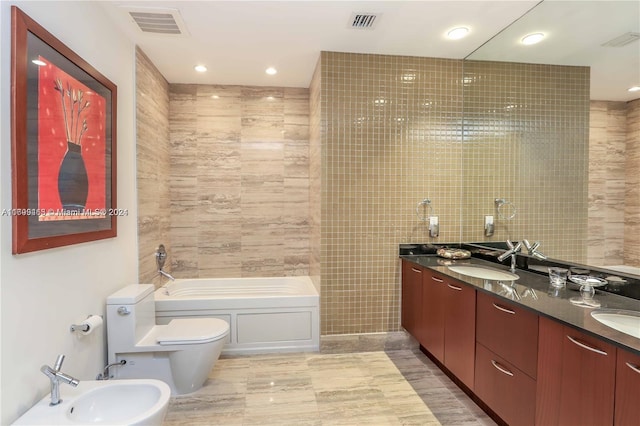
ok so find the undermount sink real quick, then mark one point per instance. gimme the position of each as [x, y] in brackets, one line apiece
[483, 273]
[627, 322]
[115, 402]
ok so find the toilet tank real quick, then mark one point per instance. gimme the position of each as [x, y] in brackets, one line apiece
[131, 314]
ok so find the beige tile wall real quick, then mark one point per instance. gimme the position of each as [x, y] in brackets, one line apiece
[526, 130]
[390, 138]
[607, 146]
[392, 134]
[239, 181]
[614, 183]
[315, 183]
[152, 162]
[632, 186]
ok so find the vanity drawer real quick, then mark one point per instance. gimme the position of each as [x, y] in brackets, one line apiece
[503, 387]
[509, 331]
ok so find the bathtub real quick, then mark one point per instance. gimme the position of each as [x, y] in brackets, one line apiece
[275, 314]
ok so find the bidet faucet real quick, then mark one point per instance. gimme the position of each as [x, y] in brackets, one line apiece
[56, 376]
[513, 250]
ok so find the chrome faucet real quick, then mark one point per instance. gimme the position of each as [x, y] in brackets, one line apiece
[165, 274]
[513, 250]
[56, 376]
[105, 373]
[161, 257]
[533, 249]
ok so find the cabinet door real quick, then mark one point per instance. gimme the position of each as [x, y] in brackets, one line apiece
[576, 377]
[627, 399]
[411, 296]
[460, 330]
[432, 320]
[588, 378]
[508, 330]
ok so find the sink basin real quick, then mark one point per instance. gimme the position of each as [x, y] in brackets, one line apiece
[115, 402]
[627, 322]
[483, 273]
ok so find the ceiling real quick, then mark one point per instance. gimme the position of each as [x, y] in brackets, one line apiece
[238, 40]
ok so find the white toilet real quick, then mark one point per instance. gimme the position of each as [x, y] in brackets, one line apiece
[181, 353]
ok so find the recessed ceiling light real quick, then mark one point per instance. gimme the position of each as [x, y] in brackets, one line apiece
[457, 33]
[634, 89]
[271, 71]
[532, 38]
[39, 63]
[200, 68]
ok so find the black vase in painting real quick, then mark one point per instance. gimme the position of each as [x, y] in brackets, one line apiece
[73, 184]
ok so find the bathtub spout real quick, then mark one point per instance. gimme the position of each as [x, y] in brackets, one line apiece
[164, 274]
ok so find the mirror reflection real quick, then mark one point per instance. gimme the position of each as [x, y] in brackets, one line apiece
[552, 129]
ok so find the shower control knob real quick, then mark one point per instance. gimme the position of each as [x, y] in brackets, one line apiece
[122, 310]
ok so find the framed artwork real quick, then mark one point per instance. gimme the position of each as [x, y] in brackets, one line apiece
[63, 136]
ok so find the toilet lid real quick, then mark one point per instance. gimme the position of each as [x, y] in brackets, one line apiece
[184, 331]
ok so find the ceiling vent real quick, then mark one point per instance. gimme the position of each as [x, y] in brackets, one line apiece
[363, 21]
[158, 21]
[623, 40]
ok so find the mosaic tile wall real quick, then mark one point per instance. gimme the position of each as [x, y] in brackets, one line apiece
[152, 163]
[392, 130]
[526, 141]
[390, 138]
[239, 181]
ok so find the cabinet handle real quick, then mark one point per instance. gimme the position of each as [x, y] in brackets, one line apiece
[501, 368]
[416, 270]
[436, 279]
[585, 346]
[633, 367]
[500, 308]
[454, 287]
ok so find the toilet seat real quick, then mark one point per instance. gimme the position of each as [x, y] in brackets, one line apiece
[187, 331]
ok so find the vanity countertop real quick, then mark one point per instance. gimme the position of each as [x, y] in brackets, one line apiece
[536, 294]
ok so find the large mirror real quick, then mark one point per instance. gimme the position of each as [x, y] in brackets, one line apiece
[551, 135]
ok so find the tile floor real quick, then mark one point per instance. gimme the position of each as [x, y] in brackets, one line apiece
[367, 388]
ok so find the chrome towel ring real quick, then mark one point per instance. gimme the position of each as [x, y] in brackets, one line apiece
[426, 203]
[507, 213]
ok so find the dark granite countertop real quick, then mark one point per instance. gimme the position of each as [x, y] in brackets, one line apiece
[535, 293]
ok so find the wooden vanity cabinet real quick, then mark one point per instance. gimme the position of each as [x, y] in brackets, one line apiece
[528, 369]
[576, 377]
[432, 320]
[460, 330]
[509, 392]
[627, 398]
[411, 296]
[448, 324]
[506, 359]
[509, 331]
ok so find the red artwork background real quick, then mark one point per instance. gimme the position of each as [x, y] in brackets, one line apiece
[52, 142]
